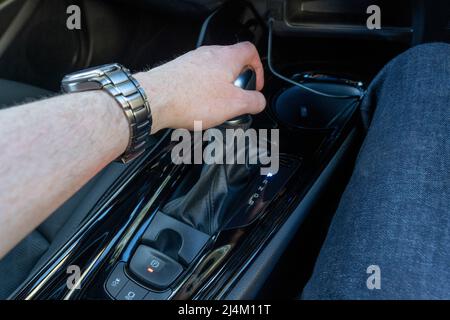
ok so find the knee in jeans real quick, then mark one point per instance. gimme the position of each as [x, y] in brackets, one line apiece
[423, 50]
[425, 59]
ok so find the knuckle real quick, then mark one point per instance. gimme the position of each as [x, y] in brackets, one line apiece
[245, 46]
[248, 45]
[206, 51]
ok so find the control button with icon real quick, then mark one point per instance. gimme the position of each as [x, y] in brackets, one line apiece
[132, 291]
[154, 268]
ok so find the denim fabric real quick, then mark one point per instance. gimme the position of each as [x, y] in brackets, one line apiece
[395, 212]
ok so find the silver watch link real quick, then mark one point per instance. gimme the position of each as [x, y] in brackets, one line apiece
[120, 84]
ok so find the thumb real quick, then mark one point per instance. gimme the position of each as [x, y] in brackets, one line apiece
[253, 101]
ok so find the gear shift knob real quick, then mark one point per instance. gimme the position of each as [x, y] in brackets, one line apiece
[246, 81]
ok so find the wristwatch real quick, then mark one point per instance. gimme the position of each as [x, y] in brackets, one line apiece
[120, 84]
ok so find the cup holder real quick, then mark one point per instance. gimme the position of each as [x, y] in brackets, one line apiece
[300, 108]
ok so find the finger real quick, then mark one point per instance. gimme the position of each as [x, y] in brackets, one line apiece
[246, 101]
[244, 54]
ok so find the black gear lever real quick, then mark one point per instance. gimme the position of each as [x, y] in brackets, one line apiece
[208, 205]
[246, 81]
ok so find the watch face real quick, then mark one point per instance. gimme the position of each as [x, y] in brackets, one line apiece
[85, 79]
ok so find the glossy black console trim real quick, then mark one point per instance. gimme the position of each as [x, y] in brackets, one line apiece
[252, 239]
[37, 282]
[249, 281]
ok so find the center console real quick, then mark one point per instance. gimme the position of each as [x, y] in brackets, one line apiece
[167, 231]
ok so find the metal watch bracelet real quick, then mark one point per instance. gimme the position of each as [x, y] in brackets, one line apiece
[119, 83]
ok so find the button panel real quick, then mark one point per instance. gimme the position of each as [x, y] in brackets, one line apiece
[121, 287]
[154, 268]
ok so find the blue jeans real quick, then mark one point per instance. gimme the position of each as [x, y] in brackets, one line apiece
[390, 236]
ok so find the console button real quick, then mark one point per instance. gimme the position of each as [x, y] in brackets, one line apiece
[116, 280]
[154, 267]
[131, 291]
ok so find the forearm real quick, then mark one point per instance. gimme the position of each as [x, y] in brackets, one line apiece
[49, 150]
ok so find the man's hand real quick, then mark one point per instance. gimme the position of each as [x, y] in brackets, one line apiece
[199, 86]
